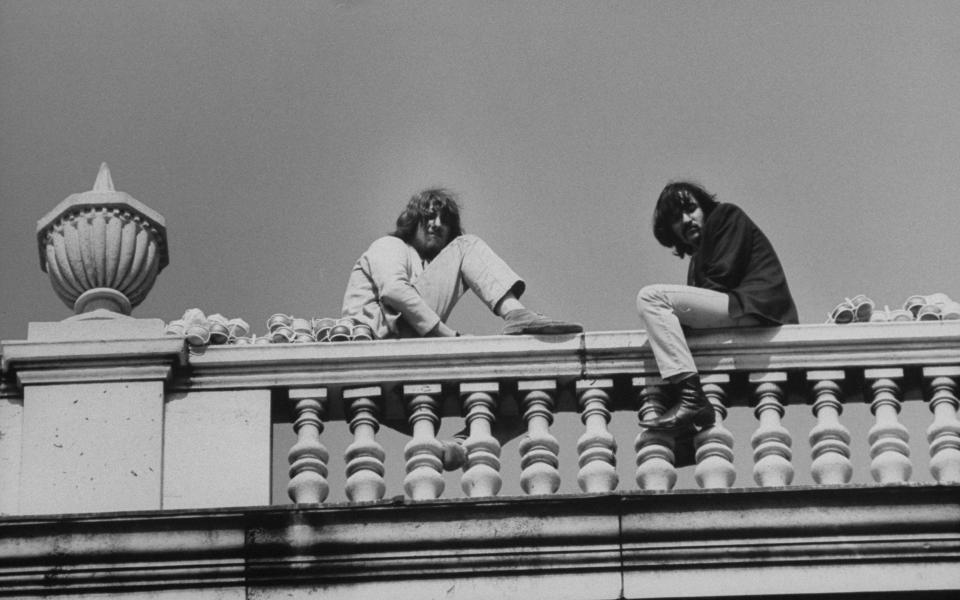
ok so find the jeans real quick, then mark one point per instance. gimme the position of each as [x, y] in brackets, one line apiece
[666, 309]
[467, 262]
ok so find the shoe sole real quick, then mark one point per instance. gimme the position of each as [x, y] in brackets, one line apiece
[546, 330]
[704, 419]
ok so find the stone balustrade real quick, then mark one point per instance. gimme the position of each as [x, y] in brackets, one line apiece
[134, 466]
[538, 416]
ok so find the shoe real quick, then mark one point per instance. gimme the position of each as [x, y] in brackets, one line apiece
[692, 408]
[454, 454]
[914, 304]
[841, 313]
[929, 312]
[901, 315]
[938, 298]
[881, 316]
[862, 308]
[886, 315]
[858, 309]
[523, 320]
[950, 311]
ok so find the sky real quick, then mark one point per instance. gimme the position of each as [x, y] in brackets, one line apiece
[279, 139]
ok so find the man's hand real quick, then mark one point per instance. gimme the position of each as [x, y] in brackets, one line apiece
[442, 330]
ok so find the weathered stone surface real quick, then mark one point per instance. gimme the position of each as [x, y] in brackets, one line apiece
[628, 545]
[216, 449]
[92, 447]
[797, 541]
[92, 416]
[11, 430]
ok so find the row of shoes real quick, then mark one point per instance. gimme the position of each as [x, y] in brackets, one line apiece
[199, 329]
[286, 329]
[861, 309]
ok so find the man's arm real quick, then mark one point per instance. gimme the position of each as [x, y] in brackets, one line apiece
[727, 250]
[387, 265]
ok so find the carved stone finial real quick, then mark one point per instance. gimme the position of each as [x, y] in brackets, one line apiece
[102, 249]
[104, 182]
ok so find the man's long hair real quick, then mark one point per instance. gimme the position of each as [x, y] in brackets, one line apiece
[670, 209]
[424, 205]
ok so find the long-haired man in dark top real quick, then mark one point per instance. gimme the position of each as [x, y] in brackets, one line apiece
[734, 280]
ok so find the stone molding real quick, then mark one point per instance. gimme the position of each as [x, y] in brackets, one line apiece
[639, 544]
[92, 361]
[591, 355]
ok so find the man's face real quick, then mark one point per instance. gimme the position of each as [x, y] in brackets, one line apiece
[689, 227]
[432, 236]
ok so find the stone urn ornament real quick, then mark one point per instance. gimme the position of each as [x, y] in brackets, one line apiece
[102, 249]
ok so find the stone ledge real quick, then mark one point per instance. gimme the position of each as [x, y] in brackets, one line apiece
[713, 542]
[584, 356]
[91, 354]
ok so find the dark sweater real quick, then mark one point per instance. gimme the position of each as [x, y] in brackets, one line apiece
[736, 258]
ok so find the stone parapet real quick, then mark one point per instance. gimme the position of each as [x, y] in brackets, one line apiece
[854, 540]
[210, 415]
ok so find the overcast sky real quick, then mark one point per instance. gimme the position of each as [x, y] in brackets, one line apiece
[279, 139]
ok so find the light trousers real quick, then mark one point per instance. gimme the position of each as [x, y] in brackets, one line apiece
[467, 262]
[666, 309]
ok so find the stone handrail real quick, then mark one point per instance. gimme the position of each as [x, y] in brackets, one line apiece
[216, 409]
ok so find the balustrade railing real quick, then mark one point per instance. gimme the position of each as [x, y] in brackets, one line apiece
[803, 405]
[871, 404]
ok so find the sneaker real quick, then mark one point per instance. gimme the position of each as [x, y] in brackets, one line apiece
[523, 320]
[950, 311]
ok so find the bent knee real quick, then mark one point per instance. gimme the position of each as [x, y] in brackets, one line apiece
[648, 296]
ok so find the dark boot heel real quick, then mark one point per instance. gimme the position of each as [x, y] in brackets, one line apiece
[705, 418]
[692, 408]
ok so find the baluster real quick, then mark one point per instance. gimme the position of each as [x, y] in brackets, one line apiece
[771, 441]
[944, 433]
[889, 439]
[308, 456]
[829, 439]
[423, 453]
[655, 449]
[481, 476]
[596, 448]
[715, 468]
[365, 455]
[539, 450]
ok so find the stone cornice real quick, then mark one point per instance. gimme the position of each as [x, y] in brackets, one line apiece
[96, 374]
[9, 390]
[788, 348]
[586, 356]
[494, 358]
[373, 363]
[94, 360]
[739, 536]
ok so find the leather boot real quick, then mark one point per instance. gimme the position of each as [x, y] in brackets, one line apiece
[691, 408]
